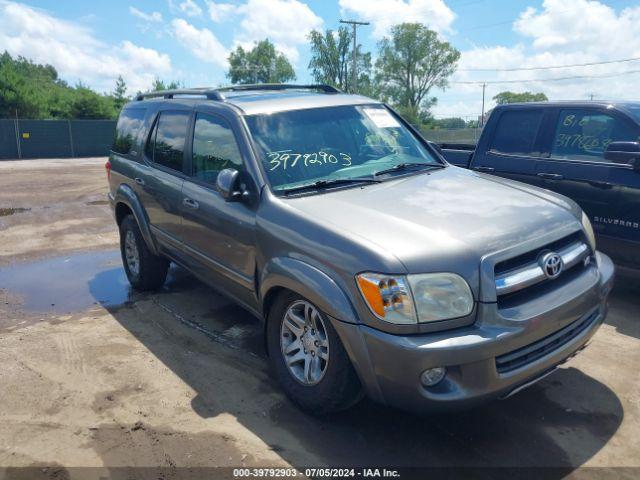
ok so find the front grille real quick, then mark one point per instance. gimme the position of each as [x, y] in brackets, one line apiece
[530, 353]
[519, 275]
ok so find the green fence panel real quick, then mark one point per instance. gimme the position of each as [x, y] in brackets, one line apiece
[92, 138]
[8, 140]
[44, 138]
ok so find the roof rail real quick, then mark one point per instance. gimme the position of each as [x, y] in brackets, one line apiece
[209, 93]
[280, 86]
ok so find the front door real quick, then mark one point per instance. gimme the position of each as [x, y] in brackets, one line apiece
[218, 235]
[576, 167]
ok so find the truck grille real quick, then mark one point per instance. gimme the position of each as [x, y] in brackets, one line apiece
[529, 353]
[519, 275]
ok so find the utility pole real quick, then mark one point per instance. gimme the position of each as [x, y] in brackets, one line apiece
[354, 73]
[484, 85]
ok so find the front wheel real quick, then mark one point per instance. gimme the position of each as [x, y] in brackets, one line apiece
[308, 357]
[144, 270]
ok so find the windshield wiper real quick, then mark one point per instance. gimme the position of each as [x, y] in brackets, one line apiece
[321, 184]
[406, 166]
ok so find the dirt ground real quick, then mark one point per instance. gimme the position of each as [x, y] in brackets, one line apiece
[94, 375]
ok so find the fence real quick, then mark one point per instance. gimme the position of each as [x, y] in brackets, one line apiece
[452, 135]
[55, 138]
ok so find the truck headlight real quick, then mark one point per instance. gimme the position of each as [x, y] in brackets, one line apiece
[440, 296]
[588, 231]
[412, 299]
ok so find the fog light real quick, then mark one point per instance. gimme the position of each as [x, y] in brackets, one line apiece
[433, 376]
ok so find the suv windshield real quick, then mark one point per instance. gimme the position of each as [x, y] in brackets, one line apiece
[301, 147]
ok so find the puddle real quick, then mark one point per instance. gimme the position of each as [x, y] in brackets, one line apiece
[5, 212]
[65, 284]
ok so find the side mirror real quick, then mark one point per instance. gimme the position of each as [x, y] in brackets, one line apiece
[624, 152]
[228, 183]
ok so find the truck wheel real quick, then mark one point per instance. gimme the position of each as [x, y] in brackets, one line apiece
[144, 270]
[308, 358]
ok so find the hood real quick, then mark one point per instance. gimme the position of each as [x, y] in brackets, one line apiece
[444, 220]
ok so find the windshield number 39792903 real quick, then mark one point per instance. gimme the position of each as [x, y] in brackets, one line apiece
[284, 159]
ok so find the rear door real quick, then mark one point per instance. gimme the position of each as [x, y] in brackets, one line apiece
[161, 185]
[513, 149]
[576, 167]
[219, 236]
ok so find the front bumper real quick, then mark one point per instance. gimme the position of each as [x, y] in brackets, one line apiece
[480, 358]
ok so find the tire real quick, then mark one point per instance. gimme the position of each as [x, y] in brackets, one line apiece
[150, 271]
[318, 391]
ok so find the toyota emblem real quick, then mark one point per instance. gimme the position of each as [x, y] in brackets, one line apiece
[551, 264]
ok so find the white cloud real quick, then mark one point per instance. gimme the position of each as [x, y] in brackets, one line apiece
[559, 33]
[219, 12]
[74, 51]
[202, 43]
[285, 22]
[188, 7]
[154, 17]
[385, 13]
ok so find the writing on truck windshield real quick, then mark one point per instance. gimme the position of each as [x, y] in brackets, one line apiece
[356, 141]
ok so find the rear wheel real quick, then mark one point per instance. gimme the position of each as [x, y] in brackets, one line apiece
[308, 357]
[144, 270]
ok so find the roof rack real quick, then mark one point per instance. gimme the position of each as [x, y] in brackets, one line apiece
[209, 93]
[216, 93]
[280, 86]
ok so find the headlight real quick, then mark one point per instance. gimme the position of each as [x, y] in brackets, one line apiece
[588, 231]
[440, 296]
[428, 297]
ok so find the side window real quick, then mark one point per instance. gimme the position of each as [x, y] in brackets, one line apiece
[516, 132]
[585, 134]
[214, 148]
[166, 143]
[127, 129]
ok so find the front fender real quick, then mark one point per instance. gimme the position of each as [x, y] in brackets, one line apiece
[311, 283]
[125, 194]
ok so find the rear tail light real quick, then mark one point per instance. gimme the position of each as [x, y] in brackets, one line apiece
[107, 167]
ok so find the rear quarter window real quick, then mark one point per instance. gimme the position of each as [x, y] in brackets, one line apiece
[127, 130]
[516, 132]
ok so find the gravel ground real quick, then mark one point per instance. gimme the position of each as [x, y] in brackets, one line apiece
[94, 375]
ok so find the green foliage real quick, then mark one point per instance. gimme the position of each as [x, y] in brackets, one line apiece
[410, 63]
[30, 90]
[262, 64]
[332, 61]
[120, 94]
[159, 85]
[513, 97]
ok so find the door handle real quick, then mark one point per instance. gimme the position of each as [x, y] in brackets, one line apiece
[550, 176]
[187, 202]
[484, 169]
[139, 181]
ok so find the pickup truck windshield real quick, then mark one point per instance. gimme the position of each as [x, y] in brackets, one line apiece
[300, 147]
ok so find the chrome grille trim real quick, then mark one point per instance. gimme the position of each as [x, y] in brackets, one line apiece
[532, 273]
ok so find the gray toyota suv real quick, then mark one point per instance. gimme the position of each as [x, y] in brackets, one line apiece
[377, 267]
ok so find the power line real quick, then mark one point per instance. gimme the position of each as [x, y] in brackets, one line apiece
[549, 67]
[556, 79]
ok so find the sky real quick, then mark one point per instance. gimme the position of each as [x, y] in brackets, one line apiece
[189, 41]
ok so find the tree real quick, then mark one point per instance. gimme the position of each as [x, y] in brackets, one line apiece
[412, 62]
[120, 94]
[89, 105]
[262, 64]
[158, 85]
[512, 97]
[332, 60]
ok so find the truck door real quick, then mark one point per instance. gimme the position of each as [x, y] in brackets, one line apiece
[161, 186]
[575, 166]
[219, 235]
[513, 149]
